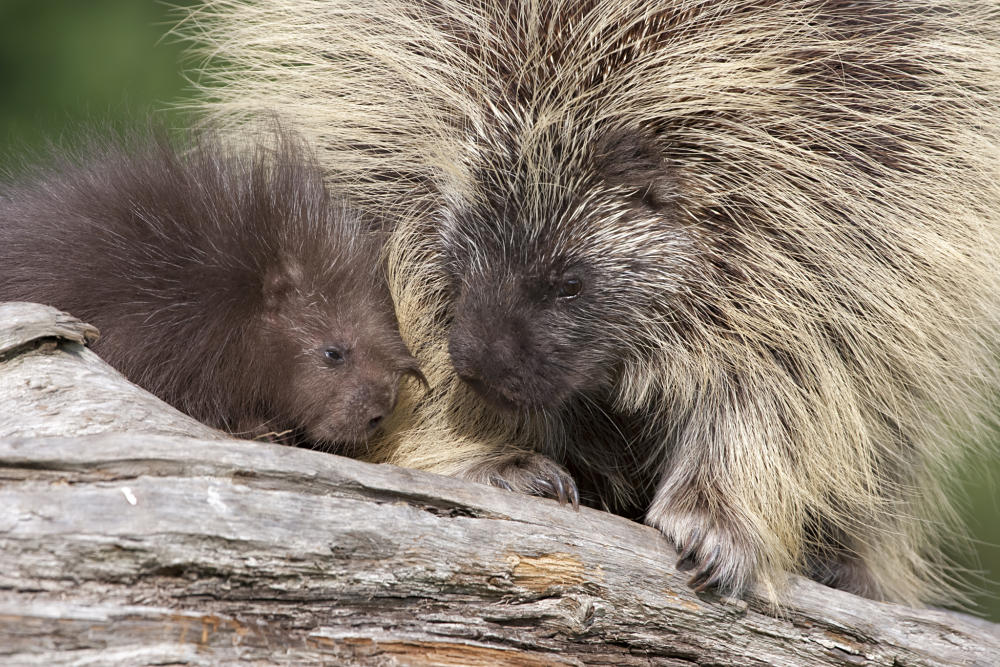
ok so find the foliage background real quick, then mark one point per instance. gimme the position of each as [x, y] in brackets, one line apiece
[66, 65]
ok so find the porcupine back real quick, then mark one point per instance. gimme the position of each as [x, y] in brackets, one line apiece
[832, 168]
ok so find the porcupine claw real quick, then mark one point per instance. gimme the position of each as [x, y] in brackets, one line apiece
[528, 473]
[707, 575]
[720, 557]
[685, 558]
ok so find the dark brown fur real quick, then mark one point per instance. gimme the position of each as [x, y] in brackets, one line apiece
[230, 284]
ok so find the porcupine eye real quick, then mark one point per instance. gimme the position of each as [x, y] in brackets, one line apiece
[334, 355]
[570, 288]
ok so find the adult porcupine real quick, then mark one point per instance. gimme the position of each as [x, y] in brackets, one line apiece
[732, 262]
[230, 284]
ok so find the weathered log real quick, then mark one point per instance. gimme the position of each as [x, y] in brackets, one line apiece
[51, 384]
[134, 548]
[146, 548]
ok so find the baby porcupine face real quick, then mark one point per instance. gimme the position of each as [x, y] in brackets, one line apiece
[345, 373]
[334, 339]
[554, 267]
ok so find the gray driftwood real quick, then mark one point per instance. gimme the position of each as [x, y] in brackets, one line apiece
[158, 548]
[51, 384]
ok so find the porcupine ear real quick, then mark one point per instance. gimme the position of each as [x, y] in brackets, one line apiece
[281, 282]
[632, 159]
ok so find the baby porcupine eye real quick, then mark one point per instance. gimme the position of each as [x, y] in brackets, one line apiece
[334, 355]
[570, 288]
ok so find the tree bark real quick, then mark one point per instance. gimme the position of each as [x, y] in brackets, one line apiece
[51, 384]
[132, 543]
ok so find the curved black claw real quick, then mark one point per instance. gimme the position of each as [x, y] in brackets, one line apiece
[528, 473]
[686, 553]
[707, 575]
[717, 551]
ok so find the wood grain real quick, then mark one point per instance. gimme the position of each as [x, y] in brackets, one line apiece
[124, 542]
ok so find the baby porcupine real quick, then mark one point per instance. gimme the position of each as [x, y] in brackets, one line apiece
[732, 263]
[229, 283]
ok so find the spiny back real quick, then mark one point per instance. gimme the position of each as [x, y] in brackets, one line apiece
[401, 94]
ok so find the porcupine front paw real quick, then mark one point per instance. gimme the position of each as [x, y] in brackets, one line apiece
[528, 473]
[717, 552]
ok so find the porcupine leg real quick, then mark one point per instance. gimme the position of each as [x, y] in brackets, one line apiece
[726, 496]
[711, 542]
[525, 472]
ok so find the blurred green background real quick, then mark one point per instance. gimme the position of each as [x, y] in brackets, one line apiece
[67, 64]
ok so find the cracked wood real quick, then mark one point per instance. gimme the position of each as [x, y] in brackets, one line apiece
[124, 541]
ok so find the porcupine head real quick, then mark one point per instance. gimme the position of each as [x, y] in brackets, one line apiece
[335, 351]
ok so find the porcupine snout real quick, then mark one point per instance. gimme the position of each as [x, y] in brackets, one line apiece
[489, 353]
[510, 353]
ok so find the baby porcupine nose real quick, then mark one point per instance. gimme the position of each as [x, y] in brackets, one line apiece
[373, 405]
[380, 403]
